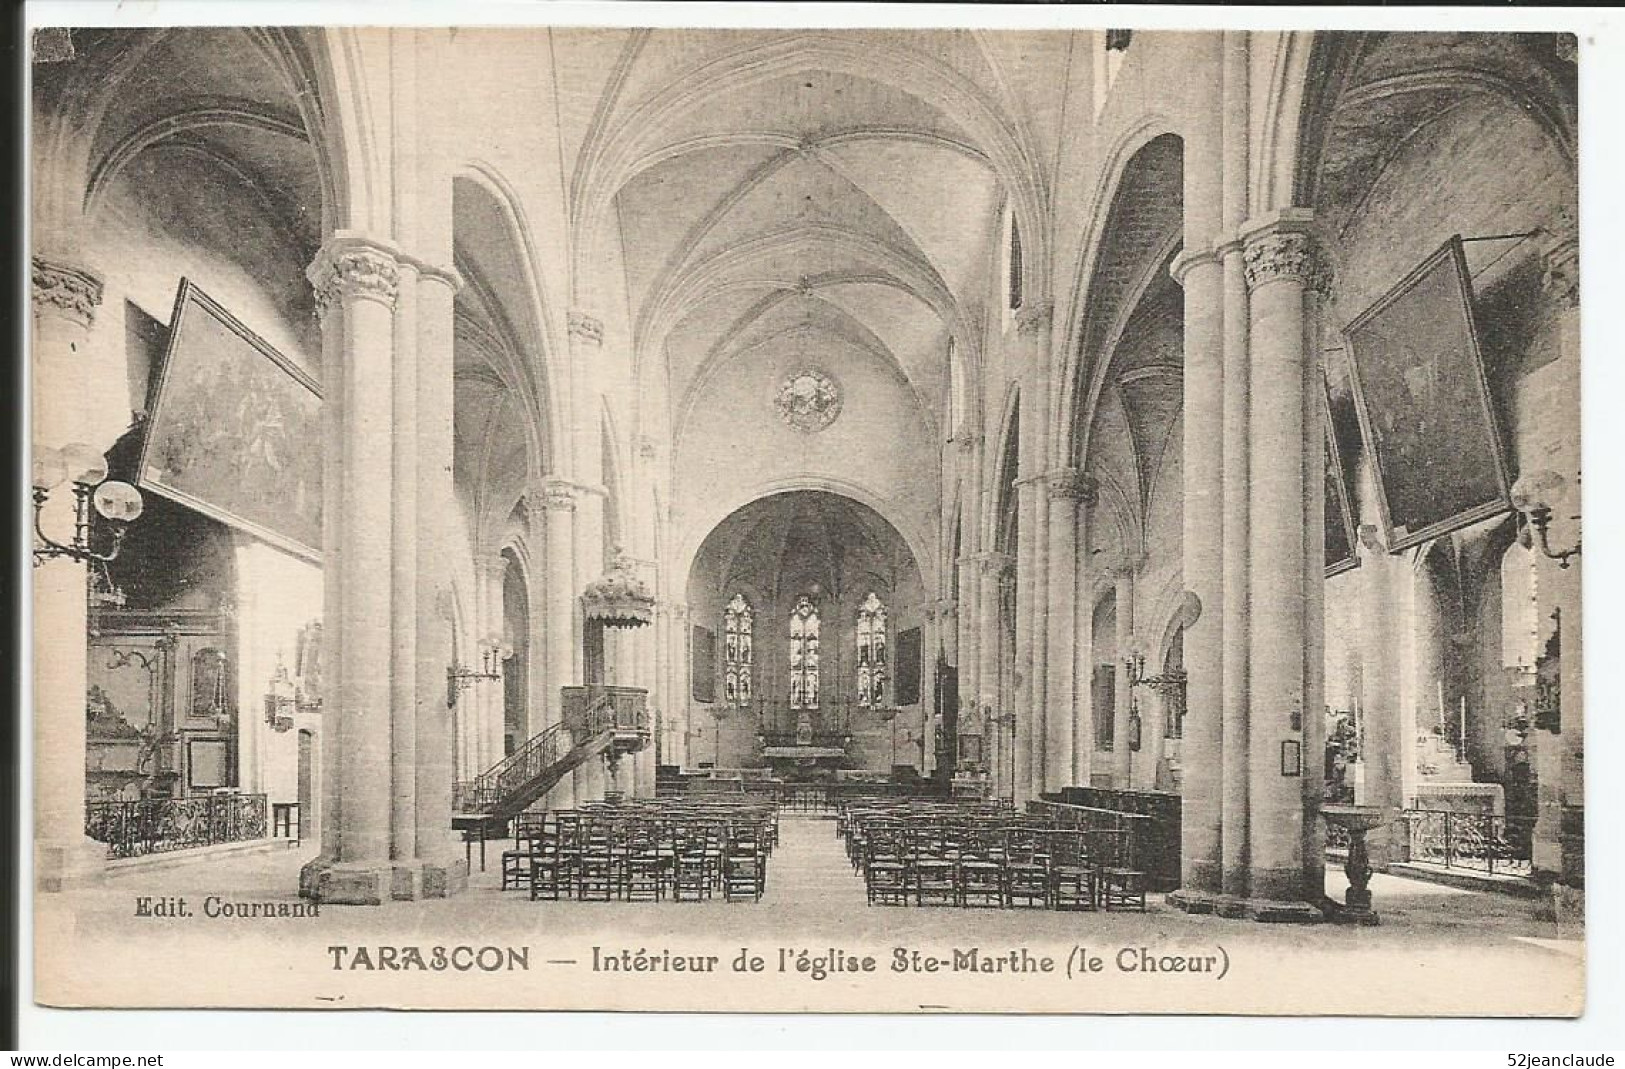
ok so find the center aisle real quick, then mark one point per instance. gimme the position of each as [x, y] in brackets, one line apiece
[809, 866]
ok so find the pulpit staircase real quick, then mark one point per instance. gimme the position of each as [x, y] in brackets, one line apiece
[602, 721]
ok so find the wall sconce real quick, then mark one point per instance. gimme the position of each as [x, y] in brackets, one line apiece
[460, 677]
[117, 502]
[1532, 496]
[1166, 684]
[279, 699]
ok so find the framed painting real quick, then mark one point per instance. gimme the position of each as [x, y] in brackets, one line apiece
[235, 429]
[1340, 530]
[906, 690]
[1424, 404]
[703, 642]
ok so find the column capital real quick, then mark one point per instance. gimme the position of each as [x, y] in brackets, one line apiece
[966, 442]
[942, 608]
[557, 495]
[1034, 317]
[585, 327]
[1071, 484]
[446, 276]
[1189, 260]
[61, 289]
[349, 266]
[1282, 247]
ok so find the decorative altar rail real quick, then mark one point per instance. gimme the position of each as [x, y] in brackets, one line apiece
[162, 825]
[1482, 842]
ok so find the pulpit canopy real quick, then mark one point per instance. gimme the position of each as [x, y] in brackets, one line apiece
[619, 598]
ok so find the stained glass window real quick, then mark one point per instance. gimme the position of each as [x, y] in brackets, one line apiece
[804, 655]
[737, 656]
[872, 662]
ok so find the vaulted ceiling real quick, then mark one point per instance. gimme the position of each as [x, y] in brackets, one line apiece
[794, 540]
[218, 96]
[775, 184]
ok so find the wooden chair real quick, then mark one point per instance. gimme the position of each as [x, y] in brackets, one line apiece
[547, 876]
[1121, 883]
[885, 876]
[742, 875]
[930, 870]
[691, 876]
[979, 875]
[1072, 883]
[597, 878]
[1026, 867]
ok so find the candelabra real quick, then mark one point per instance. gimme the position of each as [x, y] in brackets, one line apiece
[460, 677]
[1170, 686]
[116, 502]
[1532, 497]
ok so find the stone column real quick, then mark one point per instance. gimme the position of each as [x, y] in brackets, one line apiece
[643, 651]
[991, 698]
[444, 867]
[1281, 263]
[1083, 654]
[1122, 756]
[1388, 733]
[660, 693]
[356, 286]
[682, 706]
[65, 299]
[403, 669]
[1066, 489]
[1207, 688]
[1236, 624]
[485, 698]
[559, 500]
[1025, 705]
[969, 594]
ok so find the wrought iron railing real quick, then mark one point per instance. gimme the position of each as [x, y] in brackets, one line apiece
[830, 739]
[483, 793]
[1477, 841]
[161, 825]
[620, 709]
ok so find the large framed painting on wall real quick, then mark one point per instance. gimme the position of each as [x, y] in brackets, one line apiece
[235, 428]
[1340, 531]
[906, 689]
[703, 644]
[1424, 404]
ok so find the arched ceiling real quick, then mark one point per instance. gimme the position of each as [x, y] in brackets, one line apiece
[804, 537]
[219, 95]
[1384, 87]
[759, 179]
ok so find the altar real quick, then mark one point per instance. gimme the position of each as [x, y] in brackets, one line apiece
[802, 743]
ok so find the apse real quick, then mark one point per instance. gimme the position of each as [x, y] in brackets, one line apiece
[808, 616]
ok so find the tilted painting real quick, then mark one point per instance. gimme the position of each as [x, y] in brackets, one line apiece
[1424, 404]
[235, 429]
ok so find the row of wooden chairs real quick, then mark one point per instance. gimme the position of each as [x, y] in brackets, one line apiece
[642, 854]
[933, 856]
